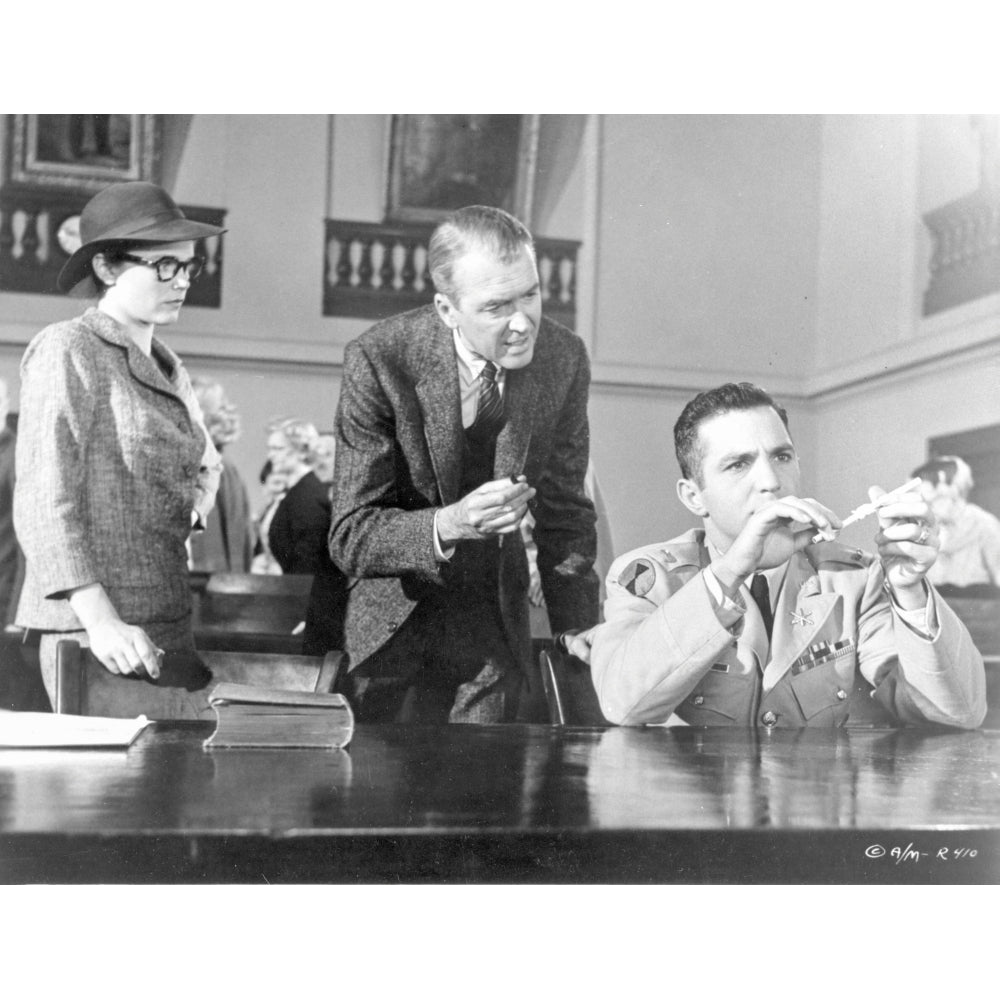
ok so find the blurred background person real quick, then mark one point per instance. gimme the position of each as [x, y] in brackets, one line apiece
[273, 486]
[326, 448]
[970, 536]
[114, 463]
[226, 544]
[11, 562]
[299, 527]
[299, 532]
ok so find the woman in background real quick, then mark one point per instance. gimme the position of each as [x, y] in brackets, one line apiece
[226, 544]
[273, 488]
[300, 525]
[114, 465]
[299, 533]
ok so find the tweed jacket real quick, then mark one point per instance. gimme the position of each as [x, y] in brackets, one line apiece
[113, 465]
[399, 458]
[665, 647]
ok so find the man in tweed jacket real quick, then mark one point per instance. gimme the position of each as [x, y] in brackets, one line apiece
[428, 494]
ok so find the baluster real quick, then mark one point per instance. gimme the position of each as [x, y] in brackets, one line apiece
[343, 268]
[409, 271]
[555, 281]
[29, 241]
[365, 269]
[387, 272]
[7, 235]
[571, 283]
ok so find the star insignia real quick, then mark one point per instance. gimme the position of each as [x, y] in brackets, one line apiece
[637, 578]
[802, 617]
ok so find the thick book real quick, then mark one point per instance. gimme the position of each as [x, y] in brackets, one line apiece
[44, 729]
[249, 716]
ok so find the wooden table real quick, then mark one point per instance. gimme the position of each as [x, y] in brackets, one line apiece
[511, 804]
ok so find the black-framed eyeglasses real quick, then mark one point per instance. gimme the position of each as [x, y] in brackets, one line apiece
[167, 267]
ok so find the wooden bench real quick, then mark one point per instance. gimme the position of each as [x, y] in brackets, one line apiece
[82, 682]
[250, 611]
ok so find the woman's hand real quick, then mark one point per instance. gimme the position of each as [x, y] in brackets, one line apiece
[121, 648]
[124, 649]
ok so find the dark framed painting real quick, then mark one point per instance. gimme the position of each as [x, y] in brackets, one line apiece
[83, 152]
[438, 163]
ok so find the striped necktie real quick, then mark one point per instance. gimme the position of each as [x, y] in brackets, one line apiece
[489, 414]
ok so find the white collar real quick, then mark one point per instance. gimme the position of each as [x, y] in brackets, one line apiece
[473, 363]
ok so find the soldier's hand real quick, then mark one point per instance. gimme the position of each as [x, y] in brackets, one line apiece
[495, 508]
[577, 642]
[908, 544]
[771, 535]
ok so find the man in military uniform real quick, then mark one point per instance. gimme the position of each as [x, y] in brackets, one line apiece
[759, 618]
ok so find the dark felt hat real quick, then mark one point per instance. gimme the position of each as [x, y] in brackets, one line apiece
[133, 211]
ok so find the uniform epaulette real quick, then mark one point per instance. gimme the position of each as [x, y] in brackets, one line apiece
[687, 553]
[837, 552]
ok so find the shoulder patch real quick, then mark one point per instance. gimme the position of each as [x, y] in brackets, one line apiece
[638, 577]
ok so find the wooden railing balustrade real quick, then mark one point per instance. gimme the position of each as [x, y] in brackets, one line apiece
[31, 257]
[966, 257]
[373, 270]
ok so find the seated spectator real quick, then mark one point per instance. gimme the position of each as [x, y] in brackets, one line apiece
[226, 544]
[274, 488]
[299, 533]
[326, 448]
[970, 536]
[300, 525]
[758, 618]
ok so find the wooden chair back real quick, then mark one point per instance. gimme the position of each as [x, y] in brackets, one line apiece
[569, 690]
[85, 687]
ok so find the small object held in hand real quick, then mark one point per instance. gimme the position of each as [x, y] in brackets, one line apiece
[859, 513]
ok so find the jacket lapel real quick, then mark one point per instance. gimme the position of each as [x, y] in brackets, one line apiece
[441, 405]
[143, 368]
[800, 616]
[519, 404]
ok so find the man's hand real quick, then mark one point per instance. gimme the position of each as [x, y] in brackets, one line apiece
[908, 545]
[577, 642]
[770, 537]
[495, 508]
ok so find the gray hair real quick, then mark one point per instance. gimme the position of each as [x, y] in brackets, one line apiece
[301, 435]
[473, 227]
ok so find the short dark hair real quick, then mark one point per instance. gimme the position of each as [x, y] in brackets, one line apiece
[713, 403]
[493, 229]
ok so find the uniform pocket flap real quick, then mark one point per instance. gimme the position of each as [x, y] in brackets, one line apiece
[819, 688]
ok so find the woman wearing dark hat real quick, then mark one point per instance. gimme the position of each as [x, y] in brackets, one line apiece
[114, 465]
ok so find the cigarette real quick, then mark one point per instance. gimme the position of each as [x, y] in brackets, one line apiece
[859, 513]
